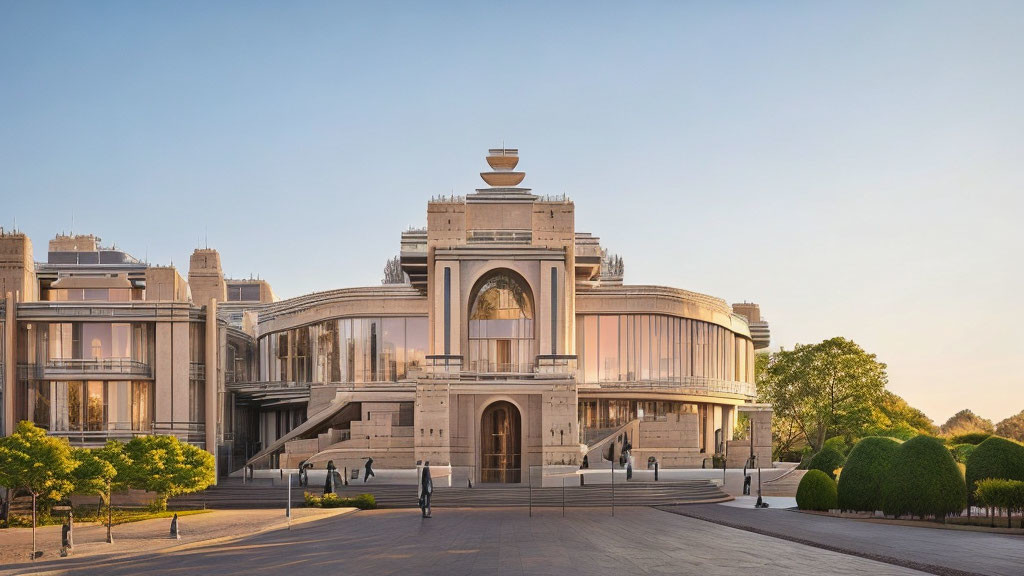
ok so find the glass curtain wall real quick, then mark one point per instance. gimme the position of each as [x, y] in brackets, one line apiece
[652, 347]
[91, 405]
[386, 349]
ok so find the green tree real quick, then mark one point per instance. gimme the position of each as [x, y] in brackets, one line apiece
[895, 418]
[966, 422]
[37, 464]
[168, 467]
[1012, 427]
[102, 471]
[822, 390]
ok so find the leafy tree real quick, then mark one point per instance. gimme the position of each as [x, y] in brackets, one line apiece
[168, 467]
[103, 471]
[822, 390]
[895, 418]
[40, 465]
[965, 422]
[1012, 427]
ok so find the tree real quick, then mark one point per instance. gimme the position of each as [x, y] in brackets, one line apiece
[1012, 427]
[102, 471]
[38, 464]
[966, 422]
[895, 418]
[823, 390]
[168, 467]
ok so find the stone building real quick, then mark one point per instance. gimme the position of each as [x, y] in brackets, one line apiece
[514, 348]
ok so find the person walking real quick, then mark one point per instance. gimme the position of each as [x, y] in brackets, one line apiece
[369, 470]
[426, 488]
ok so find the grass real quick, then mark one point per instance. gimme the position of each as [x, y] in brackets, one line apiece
[87, 514]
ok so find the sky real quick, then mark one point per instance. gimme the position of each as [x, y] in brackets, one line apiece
[856, 168]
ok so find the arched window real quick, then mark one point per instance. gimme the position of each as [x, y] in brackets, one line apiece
[501, 324]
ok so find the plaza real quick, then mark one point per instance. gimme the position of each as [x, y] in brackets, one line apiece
[508, 541]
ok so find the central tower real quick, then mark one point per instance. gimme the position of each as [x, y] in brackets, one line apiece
[499, 278]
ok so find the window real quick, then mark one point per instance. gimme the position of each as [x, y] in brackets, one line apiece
[501, 324]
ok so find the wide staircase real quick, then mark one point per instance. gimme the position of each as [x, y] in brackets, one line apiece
[263, 493]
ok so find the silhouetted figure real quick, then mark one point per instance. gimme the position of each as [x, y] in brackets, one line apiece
[330, 485]
[426, 488]
[369, 470]
[746, 485]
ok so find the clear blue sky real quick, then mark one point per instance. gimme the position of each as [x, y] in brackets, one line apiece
[856, 168]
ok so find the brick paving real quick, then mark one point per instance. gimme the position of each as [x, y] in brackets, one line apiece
[499, 541]
[138, 537]
[934, 550]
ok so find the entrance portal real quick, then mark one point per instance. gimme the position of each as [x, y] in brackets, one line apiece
[500, 443]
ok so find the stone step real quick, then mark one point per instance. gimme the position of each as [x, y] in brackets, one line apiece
[236, 496]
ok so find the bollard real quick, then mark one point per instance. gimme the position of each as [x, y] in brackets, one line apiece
[175, 535]
[288, 509]
[655, 470]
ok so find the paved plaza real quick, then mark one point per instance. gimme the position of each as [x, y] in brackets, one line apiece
[946, 551]
[493, 541]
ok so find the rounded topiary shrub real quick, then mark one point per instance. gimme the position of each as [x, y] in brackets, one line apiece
[817, 491]
[923, 480]
[827, 460]
[838, 443]
[996, 457]
[960, 452]
[969, 438]
[860, 485]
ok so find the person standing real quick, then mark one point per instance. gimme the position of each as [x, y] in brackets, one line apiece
[426, 488]
[369, 470]
[329, 484]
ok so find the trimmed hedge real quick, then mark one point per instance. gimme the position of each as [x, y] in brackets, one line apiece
[923, 480]
[996, 457]
[969, 438]
[827, 460]
[961, 452]
[837, 443]
[817, 491]
[331, 500]
[999, 493]
[860, 485]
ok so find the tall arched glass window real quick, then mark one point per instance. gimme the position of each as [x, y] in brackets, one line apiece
[501, 324]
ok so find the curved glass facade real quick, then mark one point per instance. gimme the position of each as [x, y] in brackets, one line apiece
[655, 347]
[384, 349]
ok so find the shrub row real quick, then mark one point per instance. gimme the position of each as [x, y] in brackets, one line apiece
[1001, 493]
[331, 500]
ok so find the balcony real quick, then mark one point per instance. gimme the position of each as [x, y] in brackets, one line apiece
[556, 366]
[688, 385]
[62, 369]
[443, 367]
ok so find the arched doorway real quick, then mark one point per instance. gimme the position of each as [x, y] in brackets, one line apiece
[500, 443]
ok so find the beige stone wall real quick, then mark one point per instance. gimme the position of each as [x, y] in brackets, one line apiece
[206, 277]
[17, 269]
[75, 243]
[163, 283]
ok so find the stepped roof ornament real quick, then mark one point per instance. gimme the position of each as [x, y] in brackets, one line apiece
[503, 180]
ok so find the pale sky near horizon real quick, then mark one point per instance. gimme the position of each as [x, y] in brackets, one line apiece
[855, 168]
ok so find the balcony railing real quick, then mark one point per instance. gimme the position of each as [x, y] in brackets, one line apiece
[693, 384]
[93, 366]
[196, 371]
